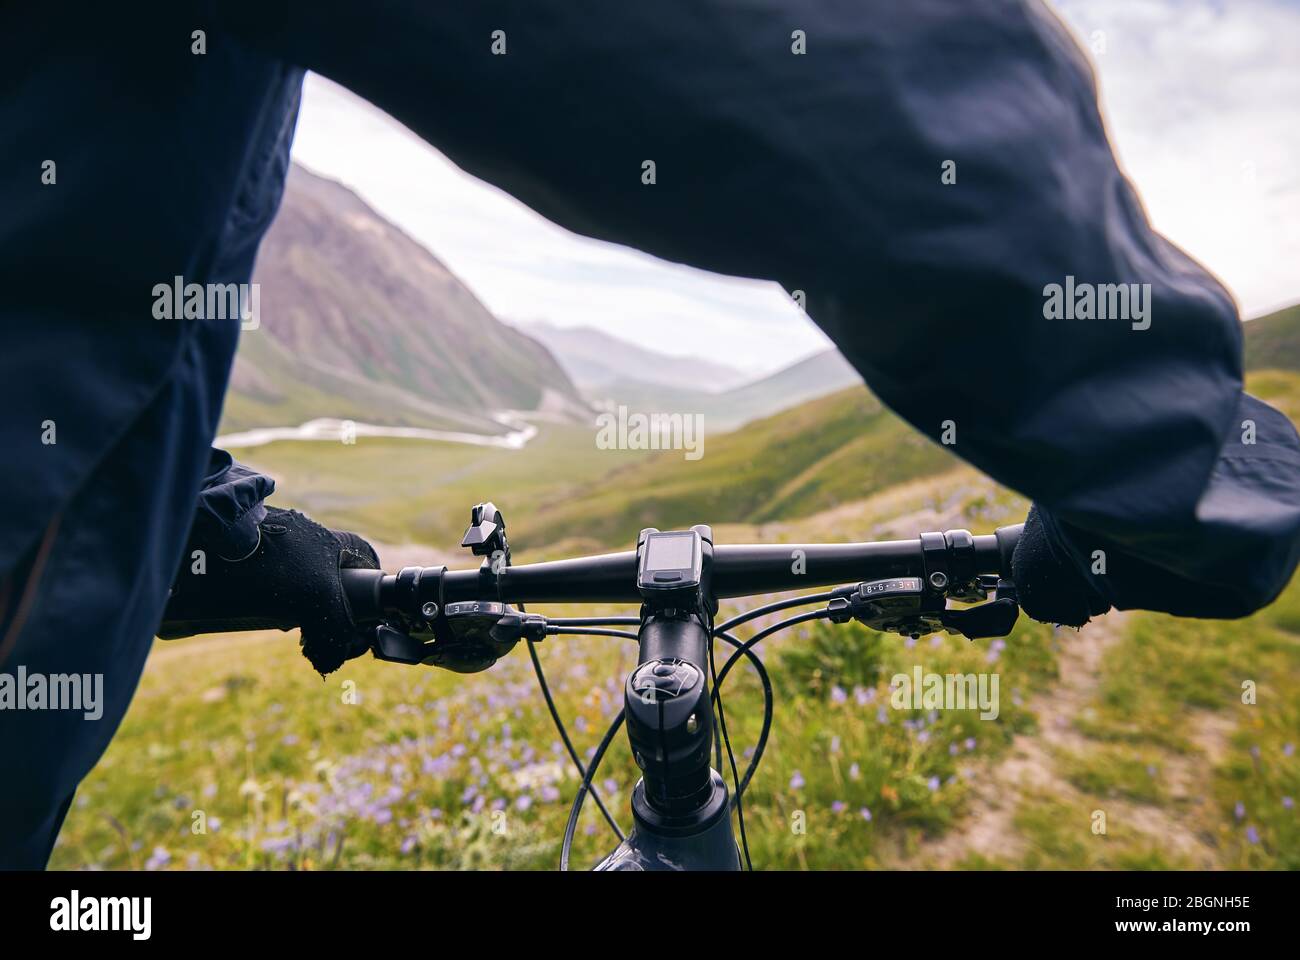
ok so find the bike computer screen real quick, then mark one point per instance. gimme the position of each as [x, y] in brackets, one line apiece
[670, 565]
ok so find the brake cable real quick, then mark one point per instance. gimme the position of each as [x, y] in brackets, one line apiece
[589, 632]
[571, 827]
[592, 621]
[764, 634]
[583, 625]
[564, 733]
[731, 755]
[786, 604]
[576, 809]
[768, 707]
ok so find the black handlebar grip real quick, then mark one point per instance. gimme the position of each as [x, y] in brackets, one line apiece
[1007, 538]
[361, 587]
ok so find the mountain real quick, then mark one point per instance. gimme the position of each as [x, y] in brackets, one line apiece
[360, 321]
[595, 359]
[1273, 341]
[816, 376]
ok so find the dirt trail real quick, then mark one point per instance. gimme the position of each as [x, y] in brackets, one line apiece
[1029, 767]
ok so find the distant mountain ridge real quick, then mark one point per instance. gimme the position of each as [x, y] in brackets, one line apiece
[595, 359]
[816, 376]
[359, 321]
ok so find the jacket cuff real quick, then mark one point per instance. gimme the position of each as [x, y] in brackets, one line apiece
[231, 505]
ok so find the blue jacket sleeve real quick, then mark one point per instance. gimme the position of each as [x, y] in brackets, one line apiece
[230, 507]
[927, 173]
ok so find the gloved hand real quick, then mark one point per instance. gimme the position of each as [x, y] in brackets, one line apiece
[290, 580]
[1050, 586]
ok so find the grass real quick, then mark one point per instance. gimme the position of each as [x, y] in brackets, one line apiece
[1116, 772]
[1061, 835]
[1175, 697]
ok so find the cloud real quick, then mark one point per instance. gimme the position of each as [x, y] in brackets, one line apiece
[1200, 98]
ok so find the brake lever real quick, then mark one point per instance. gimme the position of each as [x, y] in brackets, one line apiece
[467, 637]
[397, 646]
[904, 606]
[994, 618]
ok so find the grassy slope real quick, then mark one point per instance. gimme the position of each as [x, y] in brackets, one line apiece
[815, 457]
[1273, 341]
[1273, 359]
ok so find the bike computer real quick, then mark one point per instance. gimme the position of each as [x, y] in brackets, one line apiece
[670, 567]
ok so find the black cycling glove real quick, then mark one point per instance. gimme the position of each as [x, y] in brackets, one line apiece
[1049, 584]
[290, 580]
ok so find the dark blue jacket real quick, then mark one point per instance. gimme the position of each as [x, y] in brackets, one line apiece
[821, 170]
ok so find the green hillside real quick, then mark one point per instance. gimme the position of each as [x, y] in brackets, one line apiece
[819, 455]
[1273, 341]
[1273, 359]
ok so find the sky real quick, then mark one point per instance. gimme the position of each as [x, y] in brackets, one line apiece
[1202, 103]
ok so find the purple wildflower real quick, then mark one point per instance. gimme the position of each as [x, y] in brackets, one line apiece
[159, 859]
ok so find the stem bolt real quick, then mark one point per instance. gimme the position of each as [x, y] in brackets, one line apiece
[692, 724]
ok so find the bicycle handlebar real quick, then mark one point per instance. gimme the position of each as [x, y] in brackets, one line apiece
[738, 570]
